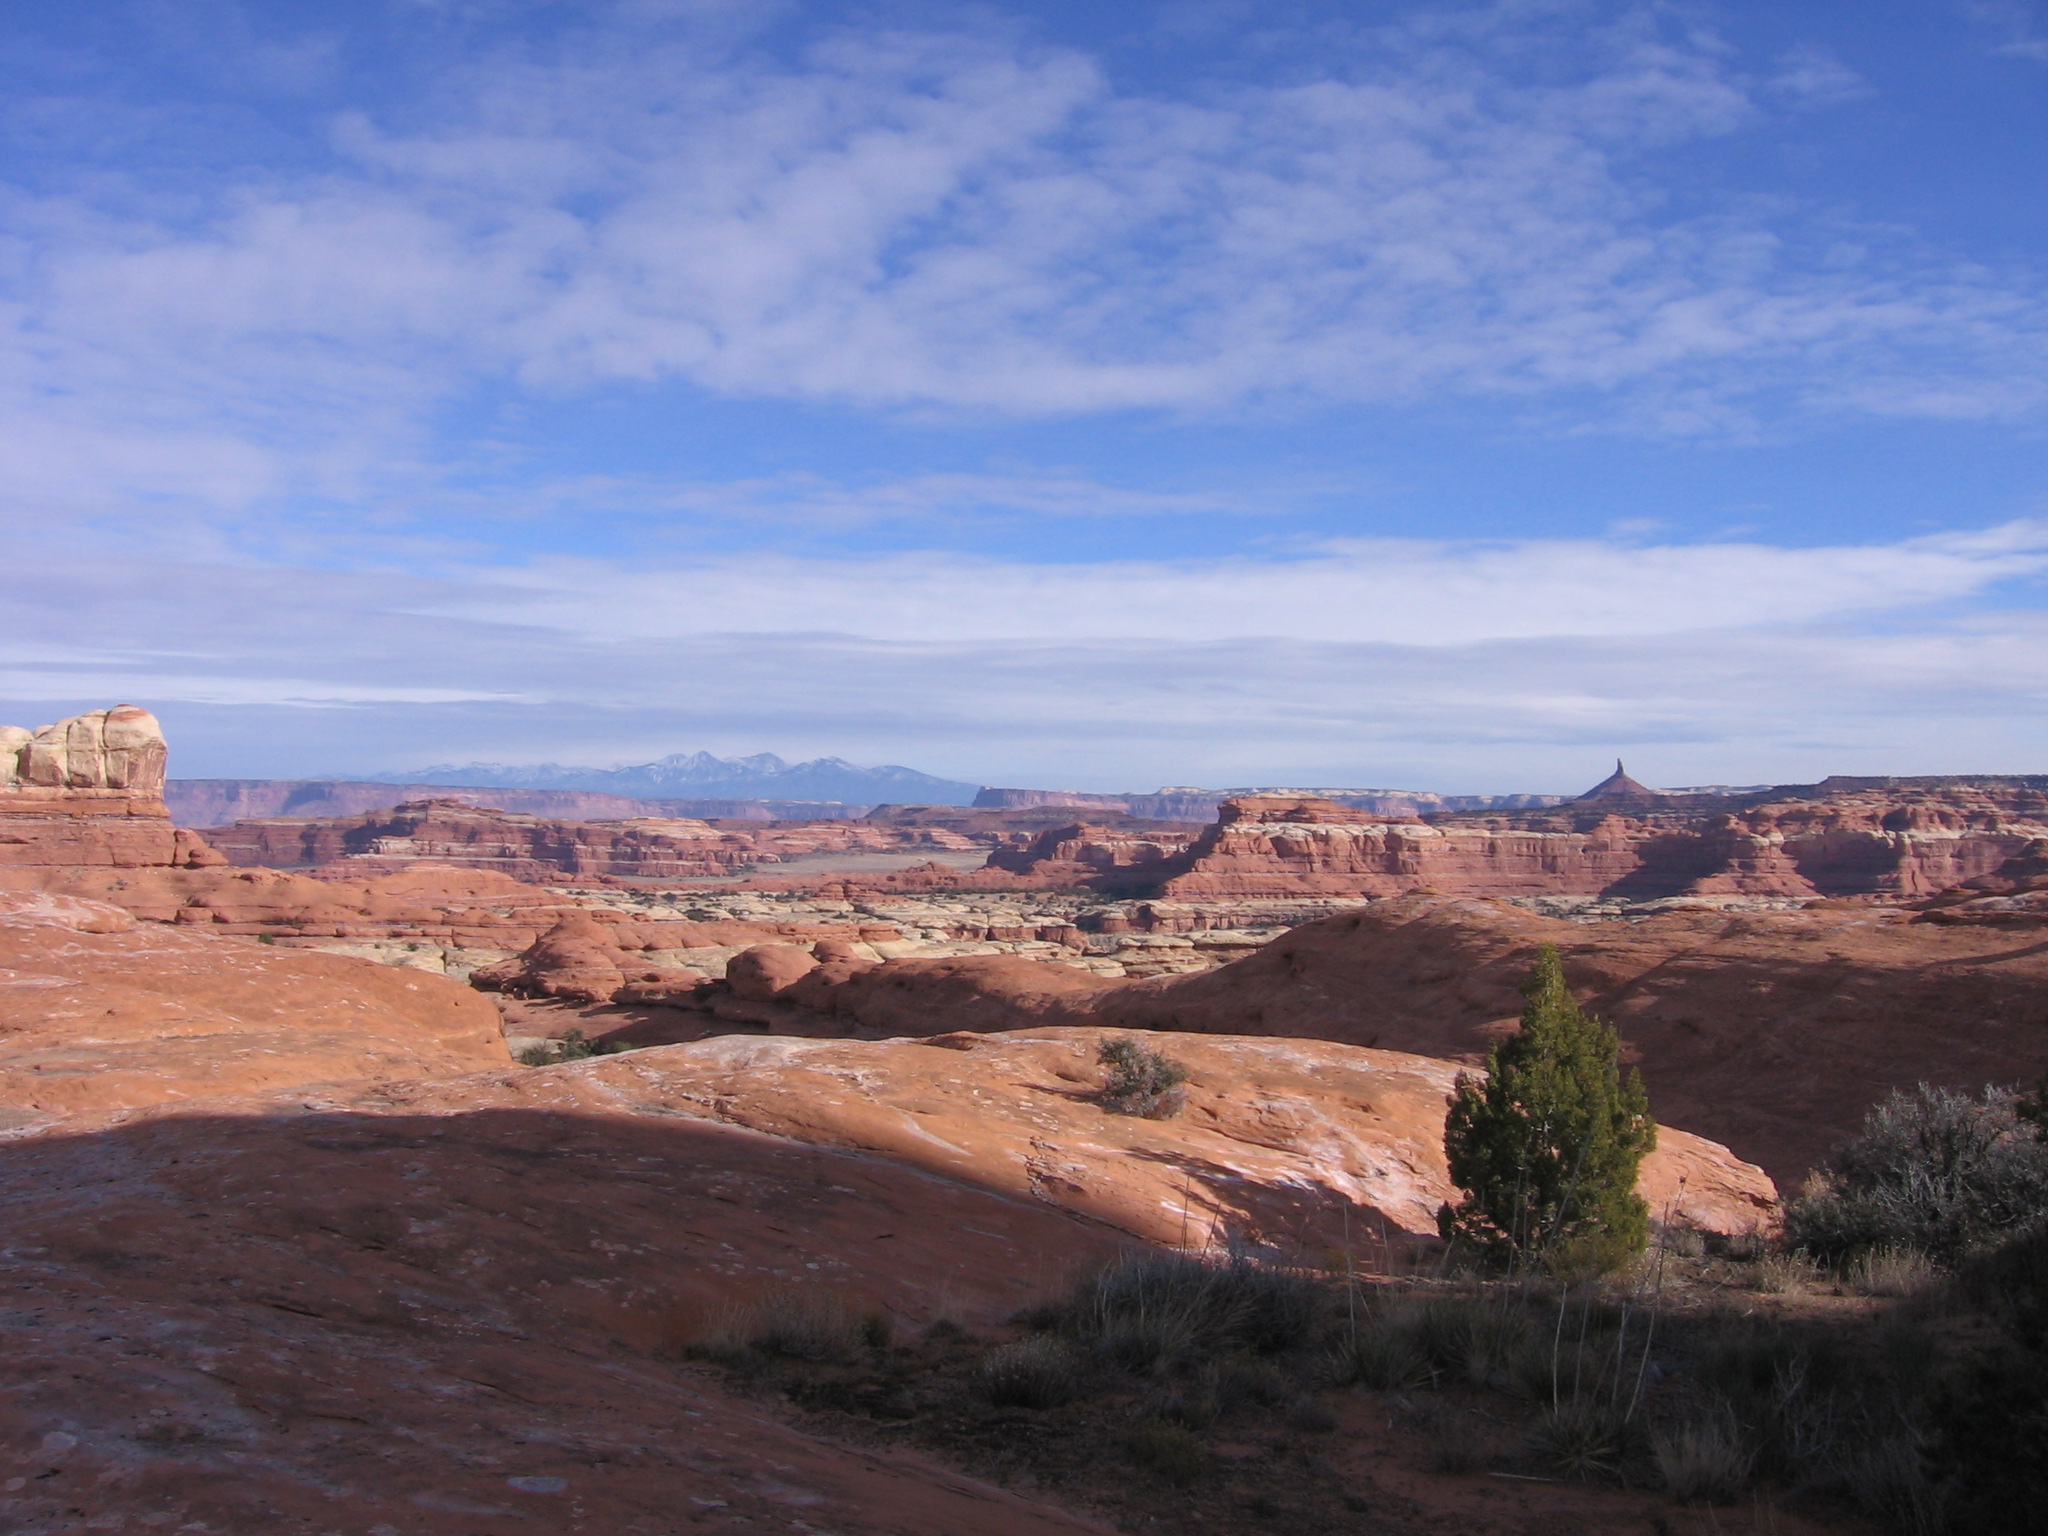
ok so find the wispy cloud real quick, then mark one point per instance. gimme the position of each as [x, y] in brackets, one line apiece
[970, 223]
[1448, 665]
[1404, 592]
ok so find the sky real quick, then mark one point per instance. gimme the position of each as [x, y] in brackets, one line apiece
[1446, 396]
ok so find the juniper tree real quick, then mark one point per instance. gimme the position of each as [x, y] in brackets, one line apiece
[1546, 1146]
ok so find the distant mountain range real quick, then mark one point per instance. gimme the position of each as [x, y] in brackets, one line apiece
[700, 776]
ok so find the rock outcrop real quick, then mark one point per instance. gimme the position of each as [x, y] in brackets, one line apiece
[101, 1012]
[1285, 1144]
[1898, 843]
[534, 848]
[1770, 1032]
[88, 792]
[459, 1310]
[1099, 858]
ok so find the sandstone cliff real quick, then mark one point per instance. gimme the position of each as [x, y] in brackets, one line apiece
[1888, 842]
[88, 792]
[533, 848]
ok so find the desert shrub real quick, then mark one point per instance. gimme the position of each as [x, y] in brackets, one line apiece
[1473, 1337]
[805, 1322]
[1547, 1145]
[1936, 1170]
[1151, 1309]
[575, 1048]
[1703, 1459]
[571, 1047]
[1173, 1451]
[1041, 1372]
[1989, 1423]
[1382, 1355]
[1142, 1082]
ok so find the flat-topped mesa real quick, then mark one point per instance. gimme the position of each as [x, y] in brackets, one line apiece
[1618, 840]
[89, 792]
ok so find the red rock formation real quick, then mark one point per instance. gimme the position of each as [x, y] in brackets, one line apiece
[458, 1311]
[88, 792]
[1771, 1032]
[526, 848]
[533, 848]
[1085, 854]
[101, 1012]
[1292, 1143]
[1898, 843]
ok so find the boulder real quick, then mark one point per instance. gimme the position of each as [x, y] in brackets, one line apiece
[763, 973]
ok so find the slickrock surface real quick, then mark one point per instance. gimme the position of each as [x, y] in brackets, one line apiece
[461, 1320]
[88, 792]
[98, 1011]
[1894, 842]
[1771, 1032]
[1292, 1144]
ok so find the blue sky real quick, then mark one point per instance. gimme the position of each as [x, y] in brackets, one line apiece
[1449, 396]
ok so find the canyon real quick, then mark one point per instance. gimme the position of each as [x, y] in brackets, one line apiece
[296, 1233]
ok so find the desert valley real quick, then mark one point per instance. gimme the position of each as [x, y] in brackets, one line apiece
[439, 1167]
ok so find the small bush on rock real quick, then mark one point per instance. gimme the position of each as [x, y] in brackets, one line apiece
[1142, 1082]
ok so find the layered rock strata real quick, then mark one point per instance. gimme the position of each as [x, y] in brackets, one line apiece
[534, 848]
[1883, 842]
[88, 792]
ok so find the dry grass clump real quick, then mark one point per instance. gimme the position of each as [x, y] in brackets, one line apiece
[1152, 1310]
[1382, 1355]
[1040, 1372]
[1786, 1274]
[791, 1322]
[805, 1322]
[1704, 1458]
[1892, 1272]
[1583, 1437]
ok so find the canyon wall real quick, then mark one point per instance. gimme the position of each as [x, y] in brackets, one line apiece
[536, 848]
[1883, 842]
[88, 792]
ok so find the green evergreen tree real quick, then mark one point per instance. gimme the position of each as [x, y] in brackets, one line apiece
[1546, 1146]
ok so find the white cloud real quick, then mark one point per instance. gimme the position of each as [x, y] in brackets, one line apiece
[1437, 666]
[972, 224]
[1391, 591]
